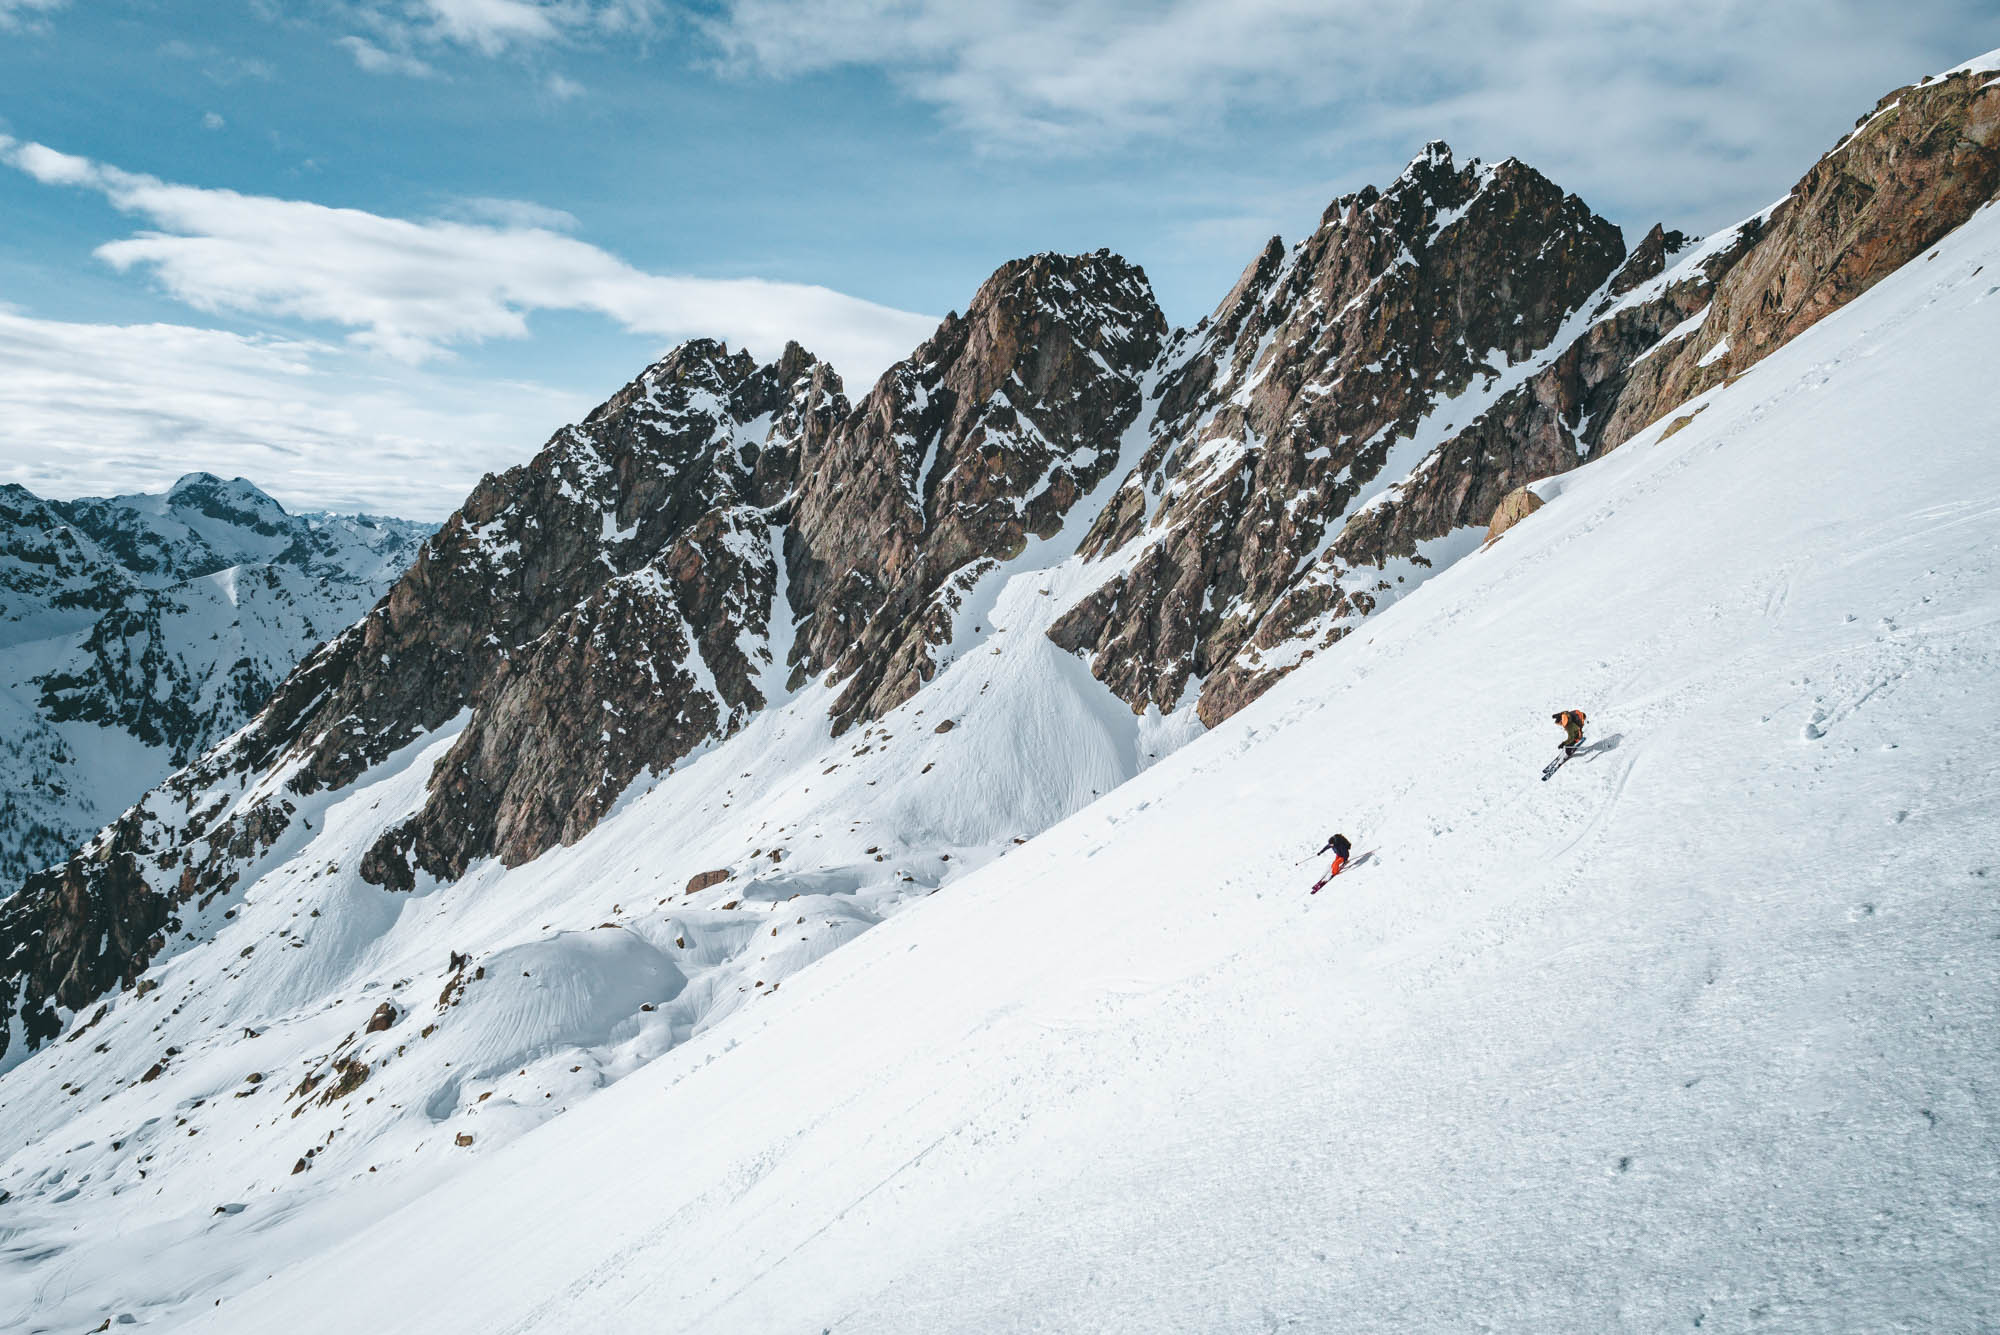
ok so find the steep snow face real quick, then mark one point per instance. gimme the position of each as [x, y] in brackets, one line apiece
[137, 631]
[514, 995]
[1694, 1033]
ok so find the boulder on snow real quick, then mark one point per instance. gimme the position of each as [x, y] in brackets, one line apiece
[1515, 506]
[383, 1018]
[462, 1139]
[704, 879]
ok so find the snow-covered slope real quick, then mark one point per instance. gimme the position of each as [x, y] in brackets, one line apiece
[136, 631]
[513, 994]
[1697, 1032]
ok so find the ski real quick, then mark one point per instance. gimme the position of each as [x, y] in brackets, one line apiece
[1555, 765]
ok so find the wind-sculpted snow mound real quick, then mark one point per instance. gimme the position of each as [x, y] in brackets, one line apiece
[1693, 1036]
[568, 991]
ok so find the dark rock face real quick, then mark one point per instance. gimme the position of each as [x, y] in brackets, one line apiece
[1918, 167]
[1548, 423]
[78, 931]
[593, 608]
[639, 553]
[1310, 380]
[702, 880]
[985, 436]
[1912, 170]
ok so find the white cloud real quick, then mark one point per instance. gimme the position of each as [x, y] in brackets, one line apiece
[413, 288]
[492, 25]
[515, 213]
[98, 409]
[496, 26]
[213, 121]
[375, 60]
[562, 89]
[22, 13]
[1688, 107]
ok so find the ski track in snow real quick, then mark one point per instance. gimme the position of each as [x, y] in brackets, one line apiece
[1698, 1034]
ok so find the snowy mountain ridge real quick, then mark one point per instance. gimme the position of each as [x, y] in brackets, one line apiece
[1694, 1035]
[738, 668]
[137, 631]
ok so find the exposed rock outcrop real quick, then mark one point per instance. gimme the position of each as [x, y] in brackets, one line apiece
[984, 437]
[1659, 334]
[1912, 169]
[1308, 388]
[640, 554]
[702, 880]
[1515, 506]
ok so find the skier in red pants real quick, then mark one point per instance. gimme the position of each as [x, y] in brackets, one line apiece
[1341, 848]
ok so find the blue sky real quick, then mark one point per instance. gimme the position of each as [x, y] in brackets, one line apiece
[361, 251]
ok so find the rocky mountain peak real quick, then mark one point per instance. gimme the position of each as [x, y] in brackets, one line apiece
[237, 501]
[1432, 183]
[629, 569]
[1648, 259]
[1316, 374]
[699, 375]
[984, 437]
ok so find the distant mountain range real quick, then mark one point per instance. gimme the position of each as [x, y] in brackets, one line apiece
[137, 631]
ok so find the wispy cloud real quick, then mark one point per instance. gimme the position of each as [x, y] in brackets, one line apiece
[496, 26]
[16, 14]
[375, 60]
[1669, 108]
[515, 213]
[99, 408]
[414, 288]
[222, 68]
[562, 89]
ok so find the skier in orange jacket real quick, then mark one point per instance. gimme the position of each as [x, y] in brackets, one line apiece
[1571, 721]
